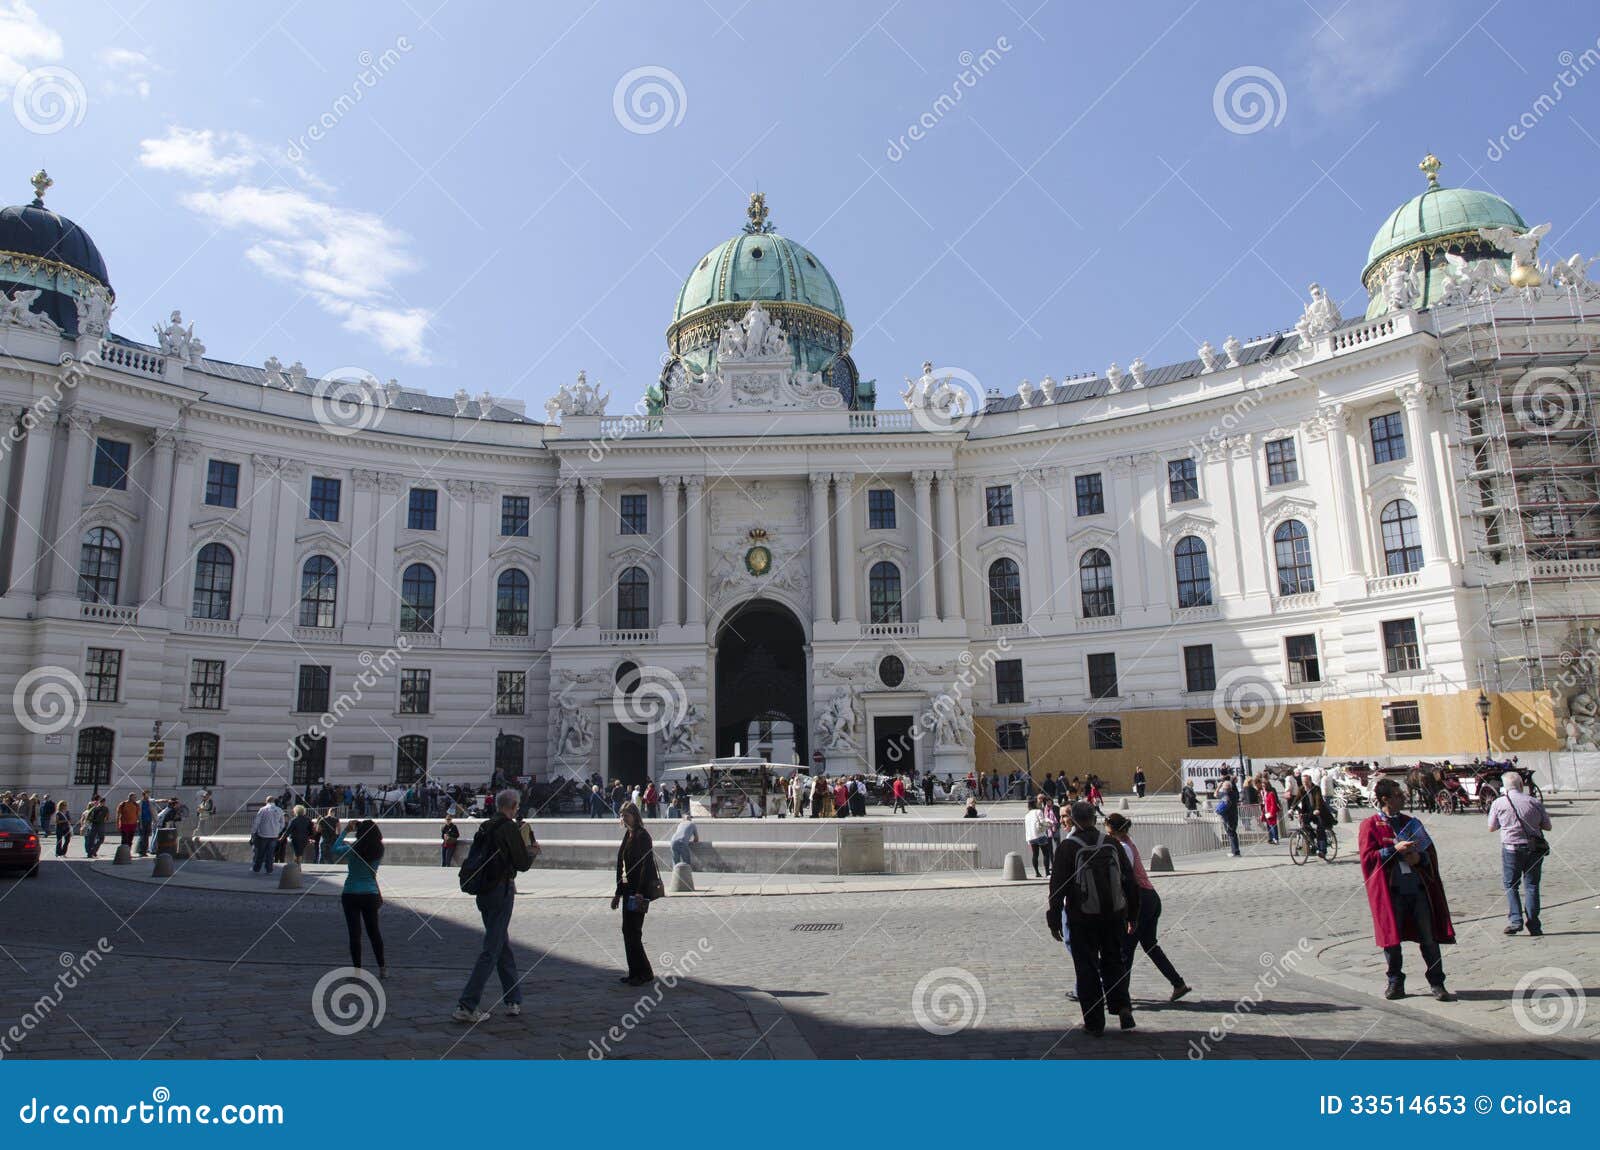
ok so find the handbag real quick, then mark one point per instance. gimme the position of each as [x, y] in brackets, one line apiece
[1540, 846]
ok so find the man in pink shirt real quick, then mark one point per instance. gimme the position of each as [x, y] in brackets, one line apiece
[1521, 821]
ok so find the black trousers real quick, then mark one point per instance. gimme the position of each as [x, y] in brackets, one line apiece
[1102, 979]
[633, 945]
[362, 909]
[1043, 847]
[1412, 906]
[1145, 937]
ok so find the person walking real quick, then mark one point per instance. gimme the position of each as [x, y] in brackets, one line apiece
[449, 837]
[899, 788]
[684, 835]
[637, 883]
[95, 819]
[1269, 810]
[1228, 812]
[327, 831]
[1191, 803]
[204, 808]
[63, 828]
[1037, 833]
[927, 788]
[360, 898]
[147, 819]
[1149, 917]
[1138, 781]
[501, 849]
[1093, 897]
[128, 819]
[1521, 821]
[652, 800]
[299, 832]
[1401, 868]
[264, 831]
[858, 797]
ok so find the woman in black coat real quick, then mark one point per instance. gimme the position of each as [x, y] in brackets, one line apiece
[636, 880]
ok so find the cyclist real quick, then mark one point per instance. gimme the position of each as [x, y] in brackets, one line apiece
[1316, 817]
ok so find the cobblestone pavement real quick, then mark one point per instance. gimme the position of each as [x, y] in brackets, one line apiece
[1280, 957]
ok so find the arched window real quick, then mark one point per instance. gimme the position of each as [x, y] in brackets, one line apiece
[319, 592]
[1005, 592]
[508, 755]
[95, 746]
[418, 588]
[411, 759]
[200, 752]
[883, 591]
[100, 566]
[633, 600]
[213, 583]
[511, 603]
[1402, 546]
[1194, 572]
[1291, 544]
[1094, 580]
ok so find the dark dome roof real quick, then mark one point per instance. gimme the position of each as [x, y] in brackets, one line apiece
[34, 230]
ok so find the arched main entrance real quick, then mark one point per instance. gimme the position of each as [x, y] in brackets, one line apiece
[762, 677]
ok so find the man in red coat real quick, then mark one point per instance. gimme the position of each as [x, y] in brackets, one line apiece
[1401, 868]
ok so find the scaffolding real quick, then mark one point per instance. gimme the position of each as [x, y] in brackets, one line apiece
[1524, 384]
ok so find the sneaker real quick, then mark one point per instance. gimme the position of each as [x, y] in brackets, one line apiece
[1126, 1018]
[514, 1010]
[1179, 991]
[1536, 931]
[1440, 993]
[1395, 989]
[469, 1014]
[1512, 930]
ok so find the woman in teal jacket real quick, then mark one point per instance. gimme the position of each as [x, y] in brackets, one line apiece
[361, 898]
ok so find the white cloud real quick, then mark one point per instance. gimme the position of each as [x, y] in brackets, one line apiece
[348, 260]
[124, 70]
[1368, 49]
[25, 41]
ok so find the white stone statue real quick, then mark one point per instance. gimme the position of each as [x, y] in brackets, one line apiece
[936, 395]
[1047, 388]
[1400, 286]
[94, 312]
[579, 398]
[1114, 377]
[274, 369]
[1467, 280]
[178, 340]
[952, 721]
[1524, 249]
[574, 735]
[682, 736]
[1137, 370]
[757, 336]
[462, 399]
[1573, 275]
[297, 376]
[1232, 348]
[836, 723]
[17, 308]
[1208, 356]
[1582, 727]
[1320, 317]
[1025, 393]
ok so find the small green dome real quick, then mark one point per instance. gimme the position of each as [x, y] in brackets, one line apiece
[1439, 212]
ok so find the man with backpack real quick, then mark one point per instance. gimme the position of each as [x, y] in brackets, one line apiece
[1093, 889]
[500, 849]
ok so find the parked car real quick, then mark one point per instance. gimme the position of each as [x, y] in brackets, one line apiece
[19, 846]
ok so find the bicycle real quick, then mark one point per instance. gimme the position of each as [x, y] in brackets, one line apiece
[1303, 844]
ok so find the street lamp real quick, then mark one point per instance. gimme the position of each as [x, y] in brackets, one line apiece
[1483, 706]
[1238, 734]
[1027, 750]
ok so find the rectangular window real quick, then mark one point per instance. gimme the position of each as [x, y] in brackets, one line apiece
[1183, 481]
[1304, 666]
[1388, 437]
[1401, 651]
[880, 509]
[1008, 681]
[1103, 676]
[324, 499]
[511, 693]
[200, 753]
[111, 464]
[422, 513]
[416, 691]
[102, 675]
[222, 483]
[514, 515]
[635, 510]
[1091, 496]
[309, 757]
[1282, 465]
[1306, 727]
[1402, 722]
[1105, 735]
[1202, 732]
[997, 501]
[1009, 737]
[1199, 668]
[95, 746]
[312, 696]
[205, 684]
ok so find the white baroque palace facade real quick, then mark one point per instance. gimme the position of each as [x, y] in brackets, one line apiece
[1342, 534]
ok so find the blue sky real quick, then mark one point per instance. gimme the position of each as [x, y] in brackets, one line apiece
[493, 213]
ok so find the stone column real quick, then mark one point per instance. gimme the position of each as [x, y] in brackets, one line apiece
[175, 583]
[974, 581]
[79, 428]
[1126, 573]
[157, 510]
[29, 501]
[457, 556]
[385, 579]
[694, 547]
[927, 601]
[1038, 586]
[589, 587]
[1420, 440]
[1155, 564]
[821, 553]
[565, 566]
[283, 580]
[359, 571]
[949, 562]
[480, 582]
[844, 483]
[671, 573]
